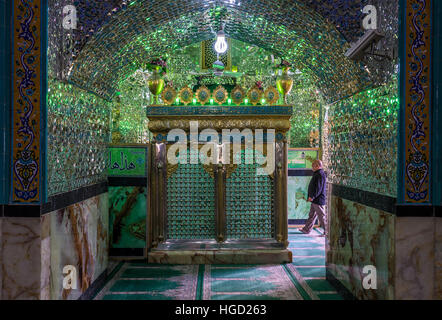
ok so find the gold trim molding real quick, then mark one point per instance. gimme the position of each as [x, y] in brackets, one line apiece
[165, 124]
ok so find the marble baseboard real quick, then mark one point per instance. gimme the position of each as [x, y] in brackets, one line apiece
[361, 236]
[78, 237]
[95, 287]
[1, 258]
[220, 257]
[415, 259]
[351, 278]
[438, 260]
[340, 288]
[20, 258]
[45, 277]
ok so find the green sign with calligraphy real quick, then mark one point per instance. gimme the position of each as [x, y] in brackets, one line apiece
[301, 158]
[126, 161]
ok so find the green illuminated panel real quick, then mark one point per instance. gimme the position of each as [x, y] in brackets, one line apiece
[301, 158]
[127, 162]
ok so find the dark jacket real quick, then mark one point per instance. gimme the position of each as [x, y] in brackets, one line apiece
[317, 187]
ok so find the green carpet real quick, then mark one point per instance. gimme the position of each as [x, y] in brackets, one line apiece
[304, 279]
[255, 282]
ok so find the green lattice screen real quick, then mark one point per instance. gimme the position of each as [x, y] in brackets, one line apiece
[249, 202]
[190, 204]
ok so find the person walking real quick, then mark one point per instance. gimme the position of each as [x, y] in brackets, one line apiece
[317, 196]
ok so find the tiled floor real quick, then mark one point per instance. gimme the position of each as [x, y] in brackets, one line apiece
[302, 279]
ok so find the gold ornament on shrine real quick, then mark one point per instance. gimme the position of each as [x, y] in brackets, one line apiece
[271, 95]
[220, 95]
[254, 95]
[186, 95]
[156, 84]
[203, 95]
[238, 95]
[285, 84]
[169, 95]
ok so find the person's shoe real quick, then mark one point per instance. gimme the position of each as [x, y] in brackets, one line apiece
[303, 231]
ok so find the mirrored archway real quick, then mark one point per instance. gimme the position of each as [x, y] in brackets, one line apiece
[111, 47]
[63, 175]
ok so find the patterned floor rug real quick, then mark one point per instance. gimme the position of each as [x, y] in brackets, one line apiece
[304, 279]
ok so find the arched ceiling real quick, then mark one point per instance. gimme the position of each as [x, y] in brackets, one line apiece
[345, 15]
[132, 33]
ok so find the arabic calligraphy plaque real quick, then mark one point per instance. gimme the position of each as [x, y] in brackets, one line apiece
[126, 161]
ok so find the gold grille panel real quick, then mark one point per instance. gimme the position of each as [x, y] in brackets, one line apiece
[249, 203]
[190, 204]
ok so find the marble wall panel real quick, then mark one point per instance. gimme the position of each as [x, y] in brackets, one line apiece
[297, 194]
[1, 257]
[45, 284]
[361, 236]
[127, 217]
[79, 237]
[438, 260]
[415, 260]
[102, 236]
[20, 259]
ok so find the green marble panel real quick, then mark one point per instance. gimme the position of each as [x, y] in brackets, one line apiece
[297, 194]
[361, 236]
[127, 217]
